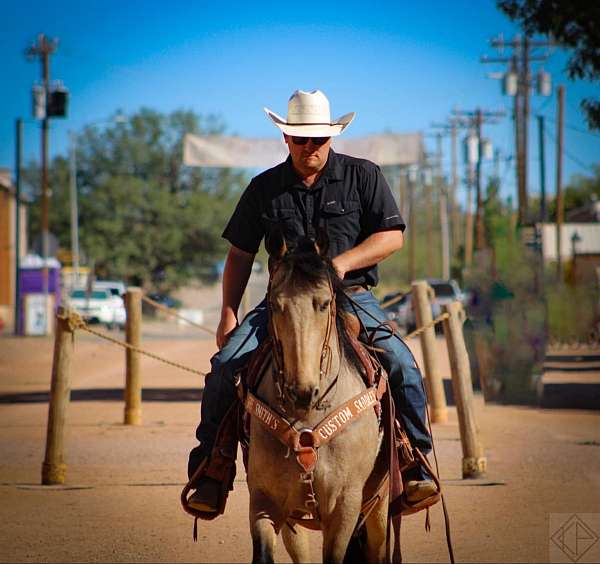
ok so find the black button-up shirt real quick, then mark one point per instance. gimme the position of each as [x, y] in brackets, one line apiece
[351, 200]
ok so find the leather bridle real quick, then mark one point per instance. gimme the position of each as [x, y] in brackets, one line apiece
[283, 390]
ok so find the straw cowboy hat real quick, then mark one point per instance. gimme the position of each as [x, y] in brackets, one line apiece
[308, 116]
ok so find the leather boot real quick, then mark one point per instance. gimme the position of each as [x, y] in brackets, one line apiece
[206, 496]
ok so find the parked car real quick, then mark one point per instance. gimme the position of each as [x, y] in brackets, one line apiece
[100, 306]
[403, 313]
[446, 291]
[116, 287]
[161, 299]
[165, 300]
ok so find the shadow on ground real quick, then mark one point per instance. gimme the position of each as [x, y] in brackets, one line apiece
[109, 394]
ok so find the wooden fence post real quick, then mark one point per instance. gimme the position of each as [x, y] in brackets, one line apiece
[435, 385]
[133, 385]
[474, 464]
[54, 468]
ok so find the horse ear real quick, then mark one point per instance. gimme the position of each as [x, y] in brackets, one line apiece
[322, 242]
[275, 244]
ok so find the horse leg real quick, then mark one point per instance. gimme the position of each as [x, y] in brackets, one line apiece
[264, 526]
[296, 543]
[338, 529]
[376, 525]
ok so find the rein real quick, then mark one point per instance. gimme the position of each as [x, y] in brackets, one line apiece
[392, 333]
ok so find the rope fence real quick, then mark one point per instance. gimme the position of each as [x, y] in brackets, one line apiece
[70, 321]
[429, 325]
[175, 313]
[75, 322]
[393, 300]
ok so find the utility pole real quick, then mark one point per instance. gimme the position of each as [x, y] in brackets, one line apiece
[518, 126]
[469, 217]
[524, 84]
[517, 82]
[497, 166]
[427, 184]
[74, 208]
[42, 50]
[454, 190]
[443, 195]
[479, 231]
[559, 191]
[541, 149]
[478, 117]
[450, 127]
[411, 177]
[18, 167]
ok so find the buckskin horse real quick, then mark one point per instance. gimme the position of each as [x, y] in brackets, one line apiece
[314, 453]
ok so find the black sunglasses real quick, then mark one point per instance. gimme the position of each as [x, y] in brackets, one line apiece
[304, 140]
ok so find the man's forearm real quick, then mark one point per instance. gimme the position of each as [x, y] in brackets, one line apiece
[371, 251]
[238, 266]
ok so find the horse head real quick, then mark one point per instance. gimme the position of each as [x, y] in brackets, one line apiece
[302, 311]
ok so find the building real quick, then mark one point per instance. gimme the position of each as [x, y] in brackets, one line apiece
[583, 238]
[579, 243]
[8, 238]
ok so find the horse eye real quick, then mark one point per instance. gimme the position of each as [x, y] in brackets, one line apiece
[325, 305]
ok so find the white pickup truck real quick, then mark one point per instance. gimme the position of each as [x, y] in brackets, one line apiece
[100, 306]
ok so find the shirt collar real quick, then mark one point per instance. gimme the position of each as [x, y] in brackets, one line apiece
[333, 170]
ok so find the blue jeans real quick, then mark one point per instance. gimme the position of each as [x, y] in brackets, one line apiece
[404, 376]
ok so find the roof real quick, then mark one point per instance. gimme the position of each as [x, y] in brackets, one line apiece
[588, 213]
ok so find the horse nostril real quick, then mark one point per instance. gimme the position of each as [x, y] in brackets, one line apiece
[315, 393]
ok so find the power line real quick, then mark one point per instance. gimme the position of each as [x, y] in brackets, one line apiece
[542, 106]
[573, 127]
[572, 157]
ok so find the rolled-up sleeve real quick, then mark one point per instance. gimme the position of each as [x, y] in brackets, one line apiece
[245, 230]
[380, 211]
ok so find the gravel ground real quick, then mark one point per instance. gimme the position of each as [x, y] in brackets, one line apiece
[121, 499]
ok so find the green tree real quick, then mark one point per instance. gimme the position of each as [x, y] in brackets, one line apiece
[143, 215]
[579, 191]
[574, 24]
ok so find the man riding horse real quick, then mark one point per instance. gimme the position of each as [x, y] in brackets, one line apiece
[314, 189]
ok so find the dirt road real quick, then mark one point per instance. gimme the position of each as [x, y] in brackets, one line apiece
[121, 504]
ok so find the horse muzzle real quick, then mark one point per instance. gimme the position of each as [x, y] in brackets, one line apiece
[302, 398]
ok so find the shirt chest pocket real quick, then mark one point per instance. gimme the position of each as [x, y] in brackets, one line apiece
[341, 220]
[286, 219]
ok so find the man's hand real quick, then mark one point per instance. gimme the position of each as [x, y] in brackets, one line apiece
[235, 277]
[339, 267]
[371, 251]
[226, 326]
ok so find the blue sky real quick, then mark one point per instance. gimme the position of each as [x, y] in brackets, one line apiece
[400, 65]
